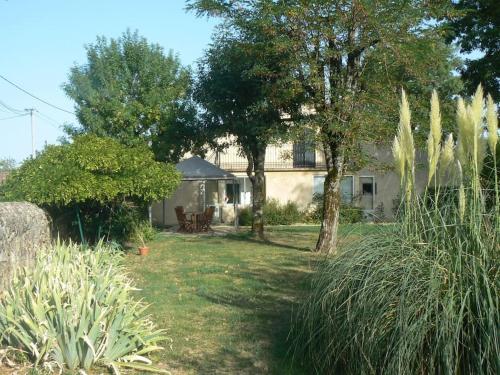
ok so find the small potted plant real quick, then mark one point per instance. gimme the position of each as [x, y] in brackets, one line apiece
[143, 249]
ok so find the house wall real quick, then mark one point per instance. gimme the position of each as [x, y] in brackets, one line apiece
[295, 184]
[187, 195]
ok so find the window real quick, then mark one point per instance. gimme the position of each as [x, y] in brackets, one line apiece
[245, 191]
[232, 191]
[242, 191]
[367, 190]
[346, 187]
[304, 155]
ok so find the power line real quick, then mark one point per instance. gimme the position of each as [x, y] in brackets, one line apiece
[11, 117]
[50, 121]
[34, 96]
[10, 109]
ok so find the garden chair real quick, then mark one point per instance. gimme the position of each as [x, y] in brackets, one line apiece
[208, 216]
[185, 225]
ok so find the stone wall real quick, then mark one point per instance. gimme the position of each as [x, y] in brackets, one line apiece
[24, 228]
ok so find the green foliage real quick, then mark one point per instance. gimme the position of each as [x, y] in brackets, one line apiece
[92, 168]
[349, 214]
[237, 94]
[100, 179]
[423, 297]
[276, 213]
[475, 26]
[129, 90]
[245, 216]
[74, 308]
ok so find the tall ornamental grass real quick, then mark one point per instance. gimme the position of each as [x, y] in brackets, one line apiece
[73, 310]
[421, 297]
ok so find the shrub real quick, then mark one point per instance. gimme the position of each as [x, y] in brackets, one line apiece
[245, 216]
[422, 297]
[74, 308]
[349, 214]
[277, 214]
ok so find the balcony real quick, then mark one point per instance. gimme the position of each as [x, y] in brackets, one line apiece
[288, 156]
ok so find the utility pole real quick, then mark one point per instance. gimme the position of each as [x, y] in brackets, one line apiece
[31, 111]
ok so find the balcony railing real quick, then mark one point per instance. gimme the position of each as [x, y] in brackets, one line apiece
[284, 157]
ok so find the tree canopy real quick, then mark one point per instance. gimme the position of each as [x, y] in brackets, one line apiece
[130, 90]
[91, 168]
[244, 90]
[475, 26]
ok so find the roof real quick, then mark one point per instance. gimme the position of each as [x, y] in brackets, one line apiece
[196, 168]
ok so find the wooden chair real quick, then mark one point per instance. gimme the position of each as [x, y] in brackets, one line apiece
[185, 225]
[208, 216]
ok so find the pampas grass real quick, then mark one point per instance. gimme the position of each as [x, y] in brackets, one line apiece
[421, 297]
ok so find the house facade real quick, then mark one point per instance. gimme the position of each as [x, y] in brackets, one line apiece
[293, 172]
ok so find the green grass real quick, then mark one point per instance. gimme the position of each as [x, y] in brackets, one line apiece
[227, 302]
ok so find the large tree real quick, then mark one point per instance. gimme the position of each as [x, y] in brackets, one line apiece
[475, 27]
[239, 98]
[338, 48]
[132, 91]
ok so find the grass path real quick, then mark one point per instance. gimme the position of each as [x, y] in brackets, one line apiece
[227, 302]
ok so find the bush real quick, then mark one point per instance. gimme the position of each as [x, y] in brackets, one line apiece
[277, 214]
[245, 216]
[422, 297]
[349, 214]
[74, 308]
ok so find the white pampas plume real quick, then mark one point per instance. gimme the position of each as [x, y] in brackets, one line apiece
[492, 124]
[435, 119]
[434, 139]
[405, 132]
[399, 159]
[447, 156]
[464, 131]
[476, 111]
[475, 114]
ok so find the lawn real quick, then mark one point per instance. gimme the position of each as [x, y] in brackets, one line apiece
[226, 302]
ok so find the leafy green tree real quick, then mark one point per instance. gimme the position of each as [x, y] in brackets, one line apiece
[238, 98]
[130, 90]
[475, 26]
[92, 177]
[350, 58]
[7, 164]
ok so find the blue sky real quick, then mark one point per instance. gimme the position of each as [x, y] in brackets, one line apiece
[41, 40]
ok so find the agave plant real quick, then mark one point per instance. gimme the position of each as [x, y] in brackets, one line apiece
[74, 308]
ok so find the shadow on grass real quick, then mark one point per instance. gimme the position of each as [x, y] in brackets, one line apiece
[252, 238]
[265, 319]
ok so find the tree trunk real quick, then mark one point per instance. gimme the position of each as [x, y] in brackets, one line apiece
[327, 240]
[255, 172]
